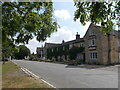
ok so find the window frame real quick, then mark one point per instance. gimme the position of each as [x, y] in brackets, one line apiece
[81, 44]
[92, 42]
[93, 55]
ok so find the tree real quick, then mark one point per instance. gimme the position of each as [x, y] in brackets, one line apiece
[23, 52]
[21, 21]
[74, 51]
[103, 13]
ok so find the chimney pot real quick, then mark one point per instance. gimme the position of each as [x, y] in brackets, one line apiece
[63, 41]
[77, 36]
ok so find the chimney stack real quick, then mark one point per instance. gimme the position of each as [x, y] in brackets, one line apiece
[77, 36]
[63, 41]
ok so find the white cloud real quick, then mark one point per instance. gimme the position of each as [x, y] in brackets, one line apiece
[63, 33]
[62, 14]
[80, 28]
[33, 44]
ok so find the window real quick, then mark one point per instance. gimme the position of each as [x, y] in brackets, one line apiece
[63, 48]
[92, 42]
[70, 46]
[52, 49]
[81, 44]
[92, 32]
[93, 55]
[118, 43]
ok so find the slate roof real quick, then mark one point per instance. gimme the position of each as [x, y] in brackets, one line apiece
[73, 41]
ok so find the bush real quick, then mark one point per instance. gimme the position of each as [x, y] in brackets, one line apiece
[78, 61]
[74, 62]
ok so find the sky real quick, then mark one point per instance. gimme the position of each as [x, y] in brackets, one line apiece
[64, 13]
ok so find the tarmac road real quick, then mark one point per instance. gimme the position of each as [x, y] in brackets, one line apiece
[65, 76]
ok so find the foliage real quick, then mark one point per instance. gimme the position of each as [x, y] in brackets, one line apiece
[32, 56]
[21, 21]
[27, 19]
[74, 62]
[22, 53]
[71, 52]
[103, 13]
[11, 78]
[74, 51]
[57, 51]
[9, 67]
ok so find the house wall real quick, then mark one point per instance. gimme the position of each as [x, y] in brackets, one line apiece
[104, 56]
[114, 48]
[77, 44]
[101, 47]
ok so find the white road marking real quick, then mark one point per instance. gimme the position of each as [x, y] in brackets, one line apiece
[48, 83]
[28, 72]
[36, 77]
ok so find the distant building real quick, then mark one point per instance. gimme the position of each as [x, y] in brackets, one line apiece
[99, 48]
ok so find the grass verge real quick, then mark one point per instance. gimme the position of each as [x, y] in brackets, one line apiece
[12, 79]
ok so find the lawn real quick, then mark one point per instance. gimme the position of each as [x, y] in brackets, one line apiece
[12, 78]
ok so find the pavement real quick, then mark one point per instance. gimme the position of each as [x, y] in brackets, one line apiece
[67, 76]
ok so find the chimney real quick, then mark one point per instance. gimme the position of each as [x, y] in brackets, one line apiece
[77, 36]
[63, 41]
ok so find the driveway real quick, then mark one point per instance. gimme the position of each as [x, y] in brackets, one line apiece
[65, 76]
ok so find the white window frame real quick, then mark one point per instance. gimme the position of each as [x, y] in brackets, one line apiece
[93, 55]
[91, 42]
[118, 43]
[63, 48]
[119, 57]
[81, 44]
[70, 46]
[52, 50]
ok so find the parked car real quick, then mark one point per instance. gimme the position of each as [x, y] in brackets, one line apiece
[5, 59]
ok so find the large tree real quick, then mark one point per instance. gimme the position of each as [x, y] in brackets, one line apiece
[21, 21]
[22, 52]
[106, 14]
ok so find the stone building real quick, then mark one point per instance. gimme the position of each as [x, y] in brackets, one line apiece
[99, 48]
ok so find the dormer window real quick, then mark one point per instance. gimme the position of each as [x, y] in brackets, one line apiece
[92, 42]
[92, 32]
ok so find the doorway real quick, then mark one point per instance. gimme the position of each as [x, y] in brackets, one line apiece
[84, 60]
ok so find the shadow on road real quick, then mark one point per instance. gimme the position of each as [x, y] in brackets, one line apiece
[88, 66]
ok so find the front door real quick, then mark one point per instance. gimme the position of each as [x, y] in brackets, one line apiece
[84, 58]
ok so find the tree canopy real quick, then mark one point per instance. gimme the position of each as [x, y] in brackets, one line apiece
[22, 52]
[103, 13]
[21, 21]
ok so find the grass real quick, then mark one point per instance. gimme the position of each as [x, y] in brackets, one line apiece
[21, 82]
[9, 80]
[9, 67]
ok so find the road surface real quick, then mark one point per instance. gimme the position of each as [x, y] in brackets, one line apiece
[65, 76]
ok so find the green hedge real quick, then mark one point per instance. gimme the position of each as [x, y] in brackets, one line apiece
[58, 51]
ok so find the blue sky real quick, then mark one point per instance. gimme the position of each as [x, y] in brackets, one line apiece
[64, 13]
